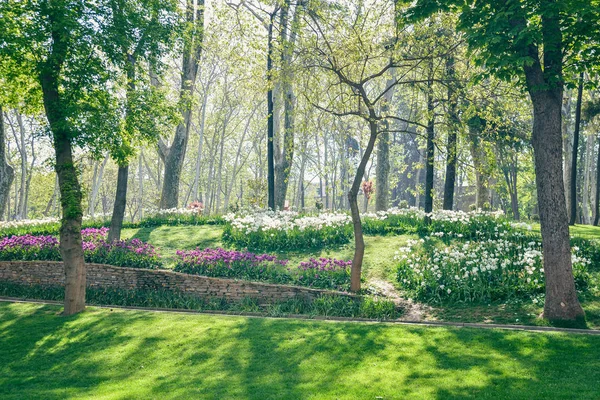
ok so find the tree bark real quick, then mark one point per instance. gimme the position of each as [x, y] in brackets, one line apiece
[116, 222]
[270, 133]
[429, 156]
[546, 89]
[451, 147]
[174, 156]
[382, 171]
[359, 241]
[7, 173]
[597, 198]
[574, 159]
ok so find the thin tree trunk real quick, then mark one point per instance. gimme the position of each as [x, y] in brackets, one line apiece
[573, 188]
[597, 199]
[429, 157]
[586, 192]
[7, 173]
[96, 182]
[450, 182]
[116, 222]
[382, 171]
[270, 127]
[359, 242]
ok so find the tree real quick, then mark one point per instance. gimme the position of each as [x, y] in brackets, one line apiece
[535, 36]
[573, 187]
[7, 173]
[173, 156]
[67, 45]
[141, 37]
[356, 86]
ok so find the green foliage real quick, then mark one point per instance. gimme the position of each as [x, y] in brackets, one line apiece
[325, 305]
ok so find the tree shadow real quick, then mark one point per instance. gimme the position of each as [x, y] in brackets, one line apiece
[132, 354]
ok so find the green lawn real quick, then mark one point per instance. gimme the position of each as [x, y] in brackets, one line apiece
[104, 354]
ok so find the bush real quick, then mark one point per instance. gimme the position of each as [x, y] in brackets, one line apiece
[286, 230]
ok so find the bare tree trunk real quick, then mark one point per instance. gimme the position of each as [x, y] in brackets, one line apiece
[573, 189]
[561, 297]
[359, 241]
[200, 143]
[116, 222]
[284, 166]
[597, 198]
[270, 116]
[429, 157]
[382, 171]
[567, 143]
[7, 173]
[587, 182]
[96, 182]
[174, 156]
[451, 147]
[141, 185]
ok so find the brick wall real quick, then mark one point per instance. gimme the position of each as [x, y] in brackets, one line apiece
[108, 276]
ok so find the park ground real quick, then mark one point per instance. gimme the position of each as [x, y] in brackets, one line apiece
[124, 354]
[379, 273]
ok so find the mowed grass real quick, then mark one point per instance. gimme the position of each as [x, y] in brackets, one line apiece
[118, 354]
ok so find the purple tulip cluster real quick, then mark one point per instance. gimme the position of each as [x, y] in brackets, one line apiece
[29, 241]
[219, 255]
[94, 234]
[125, 253]
[328, 273]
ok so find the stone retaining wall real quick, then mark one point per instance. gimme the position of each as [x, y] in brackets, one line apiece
[108, 276]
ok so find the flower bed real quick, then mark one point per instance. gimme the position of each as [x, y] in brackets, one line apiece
[488, 270]
[286, 230]
[319, 273]
[123, 253]
[454, 224]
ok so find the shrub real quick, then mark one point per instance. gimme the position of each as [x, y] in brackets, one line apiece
[482, 271]
[286, 230]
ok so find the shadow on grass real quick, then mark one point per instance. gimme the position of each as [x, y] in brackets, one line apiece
[125, 354]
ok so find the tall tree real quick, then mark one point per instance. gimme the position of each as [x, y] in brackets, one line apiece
[535, 36]
[7, 173]
[574, 154]
[173, 156]
[68, 46]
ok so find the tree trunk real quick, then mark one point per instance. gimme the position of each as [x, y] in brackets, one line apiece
[429, 156]
[174, 156]
[270, 135]
[546, 89]
[597, 197]
[451, 147]
[282, 174]
[573, 188]
[382, 171]
[567, 135]
[587, 182]
[7, 173]
[70, 190]
[116, 222]
[96, 182]
[359, 241]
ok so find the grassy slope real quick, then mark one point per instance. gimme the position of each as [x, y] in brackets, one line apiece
[378, 263]
[128, 354]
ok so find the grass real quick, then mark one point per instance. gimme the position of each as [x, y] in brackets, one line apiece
[582, 231]
[104, 354]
